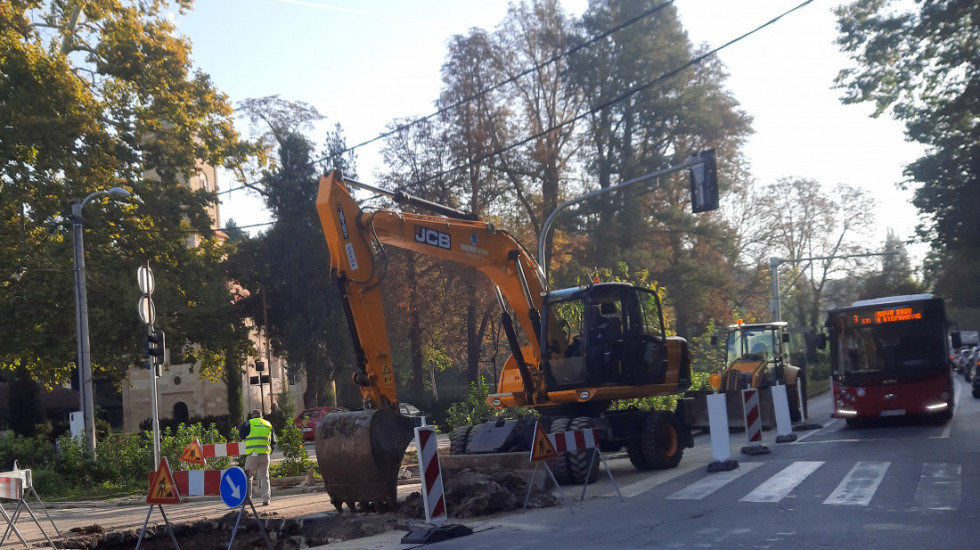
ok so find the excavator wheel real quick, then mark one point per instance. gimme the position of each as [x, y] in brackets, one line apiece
[359, 454]
[559, 466]
[458, 440]
[661, 440]
[634, 450]
[583, 464]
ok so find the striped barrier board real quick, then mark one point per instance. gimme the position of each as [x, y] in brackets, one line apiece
[11, 488]
[224, 449]
[577, 440]
[431, 473]
[197, 482]
[753, 423]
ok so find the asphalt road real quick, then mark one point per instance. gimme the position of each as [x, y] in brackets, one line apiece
[901, 485]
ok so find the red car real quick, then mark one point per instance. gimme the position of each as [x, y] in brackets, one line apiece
[307, 419]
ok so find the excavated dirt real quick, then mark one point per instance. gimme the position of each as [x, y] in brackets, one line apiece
[469, 494]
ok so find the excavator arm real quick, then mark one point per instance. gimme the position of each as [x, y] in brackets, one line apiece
[357, 261]
[358, 264]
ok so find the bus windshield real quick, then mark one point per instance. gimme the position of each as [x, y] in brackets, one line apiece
[909, 346]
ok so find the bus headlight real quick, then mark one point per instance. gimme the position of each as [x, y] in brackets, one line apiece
[937, 407]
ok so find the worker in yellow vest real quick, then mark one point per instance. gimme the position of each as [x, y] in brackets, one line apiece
[260, 439]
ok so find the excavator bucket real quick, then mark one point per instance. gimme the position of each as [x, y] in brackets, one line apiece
[359, 454]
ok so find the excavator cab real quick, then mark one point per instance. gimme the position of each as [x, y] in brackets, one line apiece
[604, 334]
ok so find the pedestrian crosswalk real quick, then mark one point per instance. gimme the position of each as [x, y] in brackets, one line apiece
[937, 485]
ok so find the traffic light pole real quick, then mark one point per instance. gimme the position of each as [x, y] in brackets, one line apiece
[154, 413]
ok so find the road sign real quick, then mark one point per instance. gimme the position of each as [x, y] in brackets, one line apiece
[234, 487]
[193, 453]
[163, 488]
[145, 278]
[542, 448]
[146, 310]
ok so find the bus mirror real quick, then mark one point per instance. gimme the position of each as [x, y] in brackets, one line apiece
[785, 337]
[821, 341]
[957, 340]
[714, 341]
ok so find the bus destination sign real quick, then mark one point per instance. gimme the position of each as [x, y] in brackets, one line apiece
[885, 316]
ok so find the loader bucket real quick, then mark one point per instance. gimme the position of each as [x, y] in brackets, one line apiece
[359, 454]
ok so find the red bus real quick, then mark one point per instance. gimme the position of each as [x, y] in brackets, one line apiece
[890, 357]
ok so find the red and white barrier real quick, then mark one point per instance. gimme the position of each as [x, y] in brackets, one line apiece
[430, 472]
[11, 488]
[224, 449]
[578, 440]
[753, 423]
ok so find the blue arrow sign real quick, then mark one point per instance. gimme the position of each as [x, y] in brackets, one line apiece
[234, 487]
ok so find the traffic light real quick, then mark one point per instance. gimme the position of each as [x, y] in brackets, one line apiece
[156, 345]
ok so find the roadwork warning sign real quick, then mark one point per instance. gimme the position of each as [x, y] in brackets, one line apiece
[193, 453]
[163, 488]
[542, 448]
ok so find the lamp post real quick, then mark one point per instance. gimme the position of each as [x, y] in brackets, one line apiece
[81, 315]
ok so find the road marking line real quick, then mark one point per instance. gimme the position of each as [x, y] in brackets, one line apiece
[860, 485]
[704, 487]
[939, 487]
[644, 485]
[778, 486]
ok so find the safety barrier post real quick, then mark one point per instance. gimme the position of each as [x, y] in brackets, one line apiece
[433, 494]
[784, 426]
[753, 423]
[721, 444]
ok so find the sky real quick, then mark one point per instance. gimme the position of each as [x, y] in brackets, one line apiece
[365, 63]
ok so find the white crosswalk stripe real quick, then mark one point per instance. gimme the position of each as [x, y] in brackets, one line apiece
[860, 484]
[939, 487]
[713, 482]
[778, 486]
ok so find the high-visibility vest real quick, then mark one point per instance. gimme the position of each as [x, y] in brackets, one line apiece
[259, 440]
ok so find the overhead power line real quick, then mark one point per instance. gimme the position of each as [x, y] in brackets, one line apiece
[487, 90]
[592, 110]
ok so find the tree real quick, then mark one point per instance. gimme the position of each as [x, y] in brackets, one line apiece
[95, 95]
[807, 222]
[639, 124]
[921, 63]
[284, 274]
[896, 277]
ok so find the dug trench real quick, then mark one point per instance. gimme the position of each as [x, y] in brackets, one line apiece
[469, 493]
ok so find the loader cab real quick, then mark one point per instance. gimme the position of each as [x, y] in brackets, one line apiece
[603, 334]
[754, 351]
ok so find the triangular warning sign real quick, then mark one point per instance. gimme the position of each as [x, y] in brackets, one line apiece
[541, 447]
[163, 488]
[193, 453]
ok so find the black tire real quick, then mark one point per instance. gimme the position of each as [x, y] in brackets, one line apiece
[634, 450]
[579, 462]
[661, 440]
[559, 465]
[458, 440]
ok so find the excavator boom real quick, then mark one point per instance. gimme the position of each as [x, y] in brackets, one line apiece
[356, 450]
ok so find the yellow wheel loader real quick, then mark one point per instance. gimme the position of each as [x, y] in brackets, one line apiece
[757, 356]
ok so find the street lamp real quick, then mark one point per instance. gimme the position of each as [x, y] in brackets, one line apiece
[81, 314]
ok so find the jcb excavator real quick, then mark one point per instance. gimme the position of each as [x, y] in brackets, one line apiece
[586, 346]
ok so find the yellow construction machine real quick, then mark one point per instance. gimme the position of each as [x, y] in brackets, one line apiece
[574, 351]
[756, 356]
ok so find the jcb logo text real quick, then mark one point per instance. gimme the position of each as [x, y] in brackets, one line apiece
[432, 237]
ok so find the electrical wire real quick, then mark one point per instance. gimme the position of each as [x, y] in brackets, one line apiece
[663, 77]
[485, 91]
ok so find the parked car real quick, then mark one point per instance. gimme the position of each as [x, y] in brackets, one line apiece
[976, 384]
[307, 419]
